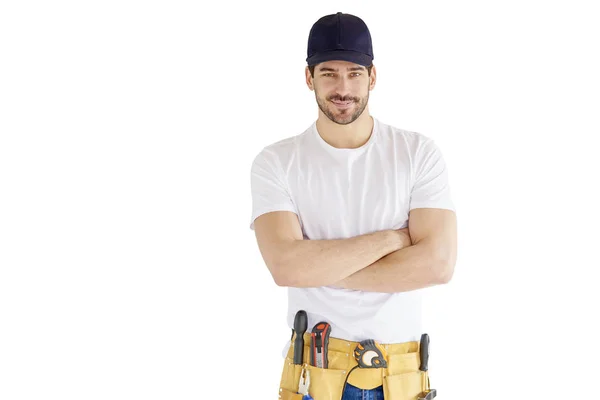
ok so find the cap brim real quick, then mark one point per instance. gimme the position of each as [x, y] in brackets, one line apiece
[340, 55]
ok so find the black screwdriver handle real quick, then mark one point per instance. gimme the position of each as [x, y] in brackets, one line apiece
[300, 326]
[424, 352]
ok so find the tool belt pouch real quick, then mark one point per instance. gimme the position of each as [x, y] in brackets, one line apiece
[403, 380]
[285, 394]
[325, 383]
[405, 386]
[290, 377]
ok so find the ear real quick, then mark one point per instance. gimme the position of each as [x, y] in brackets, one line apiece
[372, 78]
[309, 79]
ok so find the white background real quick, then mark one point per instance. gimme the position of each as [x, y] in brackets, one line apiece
[128, 269]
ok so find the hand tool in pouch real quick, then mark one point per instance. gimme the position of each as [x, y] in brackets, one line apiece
[427, 394]
[370, 354]
[319, 342]
[300, 325]
[304, 384]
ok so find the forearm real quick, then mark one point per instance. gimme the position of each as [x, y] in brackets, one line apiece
[410, 268]
[314, 263]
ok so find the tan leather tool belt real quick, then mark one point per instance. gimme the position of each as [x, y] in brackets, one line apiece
[401, 380]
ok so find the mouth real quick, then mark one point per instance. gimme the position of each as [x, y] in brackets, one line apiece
[342, 104]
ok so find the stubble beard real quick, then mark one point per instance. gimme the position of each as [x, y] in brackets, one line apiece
[342, 117]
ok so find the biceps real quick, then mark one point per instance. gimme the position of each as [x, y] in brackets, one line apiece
[437, 228]
[274, 231]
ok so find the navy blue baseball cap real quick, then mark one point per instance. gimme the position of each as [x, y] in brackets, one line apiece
[342, 37]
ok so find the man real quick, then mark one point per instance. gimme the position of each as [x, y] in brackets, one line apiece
[353, 216]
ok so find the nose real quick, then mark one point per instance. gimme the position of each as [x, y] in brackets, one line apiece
[343, 86]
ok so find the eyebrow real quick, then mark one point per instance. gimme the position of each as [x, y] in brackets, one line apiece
[335, 70]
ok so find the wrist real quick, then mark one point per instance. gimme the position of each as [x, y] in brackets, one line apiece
[406, 240]
[403, 238]
[396, 240]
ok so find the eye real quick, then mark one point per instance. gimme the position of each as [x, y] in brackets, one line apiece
[356, 74]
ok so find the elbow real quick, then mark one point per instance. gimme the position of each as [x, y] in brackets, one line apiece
[281, 279]
[445, 271]
[445, 262]
[282, 275]
[287, 272]
[286, 276]
[288, 279]
[282, 269]
[277, 269]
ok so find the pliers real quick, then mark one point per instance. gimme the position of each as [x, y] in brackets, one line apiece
[304, 384]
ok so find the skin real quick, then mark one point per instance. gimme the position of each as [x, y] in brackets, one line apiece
[343, 127]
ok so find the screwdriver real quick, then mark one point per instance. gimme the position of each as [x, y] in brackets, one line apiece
[428, 394]
[300, 325]
[424, 352]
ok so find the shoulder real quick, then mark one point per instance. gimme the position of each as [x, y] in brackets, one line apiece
[403, 137]
[281, 150]
[282, 146]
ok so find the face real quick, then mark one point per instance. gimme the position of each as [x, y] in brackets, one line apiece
[341, 89]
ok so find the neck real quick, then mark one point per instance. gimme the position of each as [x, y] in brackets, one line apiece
[350, 136]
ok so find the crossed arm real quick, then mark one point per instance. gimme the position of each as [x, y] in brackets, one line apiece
[386, 261]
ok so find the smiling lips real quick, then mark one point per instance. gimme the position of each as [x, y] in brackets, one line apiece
[342, 104]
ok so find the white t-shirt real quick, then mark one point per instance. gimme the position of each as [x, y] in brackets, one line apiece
[341, 193]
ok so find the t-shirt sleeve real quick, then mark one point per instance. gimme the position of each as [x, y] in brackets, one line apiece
[431, 188]
[268, 186]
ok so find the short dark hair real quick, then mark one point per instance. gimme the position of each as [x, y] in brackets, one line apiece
[311, 68]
